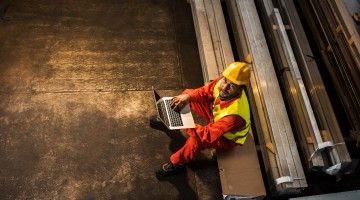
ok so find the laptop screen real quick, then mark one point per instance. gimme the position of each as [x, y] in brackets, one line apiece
[156, 95]
[160, 107]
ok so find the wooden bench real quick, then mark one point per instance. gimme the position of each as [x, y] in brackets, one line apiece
[239, 168]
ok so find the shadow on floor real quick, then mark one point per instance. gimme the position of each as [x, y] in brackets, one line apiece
[180, 181]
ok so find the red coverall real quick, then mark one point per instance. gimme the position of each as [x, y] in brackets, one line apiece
[209, 136]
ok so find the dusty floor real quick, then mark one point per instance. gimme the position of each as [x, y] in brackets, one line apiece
[75, 98]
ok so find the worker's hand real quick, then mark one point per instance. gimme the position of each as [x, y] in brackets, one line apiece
[178, 102]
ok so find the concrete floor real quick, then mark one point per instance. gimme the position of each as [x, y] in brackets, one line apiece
[75, 99]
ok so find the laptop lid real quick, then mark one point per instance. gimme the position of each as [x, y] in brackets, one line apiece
[156, 95]
[164, 113]
[156, 99]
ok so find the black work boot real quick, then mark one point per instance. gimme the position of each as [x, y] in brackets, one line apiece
[168, 169]
[156, 123]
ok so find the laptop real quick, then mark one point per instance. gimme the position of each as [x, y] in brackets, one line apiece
[173, 119]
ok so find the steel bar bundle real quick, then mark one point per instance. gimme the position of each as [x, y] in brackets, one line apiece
[212, 37]
[282, 162]
[338, 41]
[314, 120]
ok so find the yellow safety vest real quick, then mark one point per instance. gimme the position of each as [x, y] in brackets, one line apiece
[239, 107]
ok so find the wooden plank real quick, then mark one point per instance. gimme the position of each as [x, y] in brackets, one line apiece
[225, 46]
[240, 38]
[206, 49]
[213, 38]
[312, 77]
[334, 63]
[210, 17]
[304, 110]
[309, 69]
[286, 64]
[258, 111]
[275, 108]
[339, 41]
[319, 97]
[211, 28]
[269, 103]
[254, 96]
[344, 18]
[240, 172]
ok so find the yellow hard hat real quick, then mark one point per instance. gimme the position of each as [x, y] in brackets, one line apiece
[238, 73]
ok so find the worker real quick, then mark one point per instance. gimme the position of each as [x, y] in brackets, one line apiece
[224, 105]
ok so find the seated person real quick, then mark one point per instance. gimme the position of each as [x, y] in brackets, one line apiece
[223, 104]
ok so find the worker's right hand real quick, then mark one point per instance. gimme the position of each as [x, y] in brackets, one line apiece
[178, 102]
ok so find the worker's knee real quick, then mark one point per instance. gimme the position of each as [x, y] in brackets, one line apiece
[194, 143]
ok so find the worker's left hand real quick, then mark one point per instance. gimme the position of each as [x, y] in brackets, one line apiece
[178, 102]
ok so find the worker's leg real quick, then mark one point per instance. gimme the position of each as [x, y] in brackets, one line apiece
[187, 153]
[193, 145]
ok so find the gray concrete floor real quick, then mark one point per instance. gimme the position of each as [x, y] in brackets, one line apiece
[75, 99]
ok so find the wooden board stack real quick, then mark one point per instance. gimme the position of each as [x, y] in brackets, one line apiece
[282, 162]
[212, 37]
[318, 132]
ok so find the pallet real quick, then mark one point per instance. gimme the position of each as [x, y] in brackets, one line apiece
[282, 162]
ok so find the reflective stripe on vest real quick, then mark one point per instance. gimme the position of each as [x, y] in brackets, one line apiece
[238, 107]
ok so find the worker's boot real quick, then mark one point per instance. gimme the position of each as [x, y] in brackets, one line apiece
[156, 123]
[169, 169]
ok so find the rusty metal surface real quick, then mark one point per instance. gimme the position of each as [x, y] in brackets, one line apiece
[75, 99]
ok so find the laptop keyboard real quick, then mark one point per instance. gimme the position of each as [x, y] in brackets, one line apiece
[175, 117]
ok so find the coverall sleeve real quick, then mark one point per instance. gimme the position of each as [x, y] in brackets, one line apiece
[202, 94]
[212, 131]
